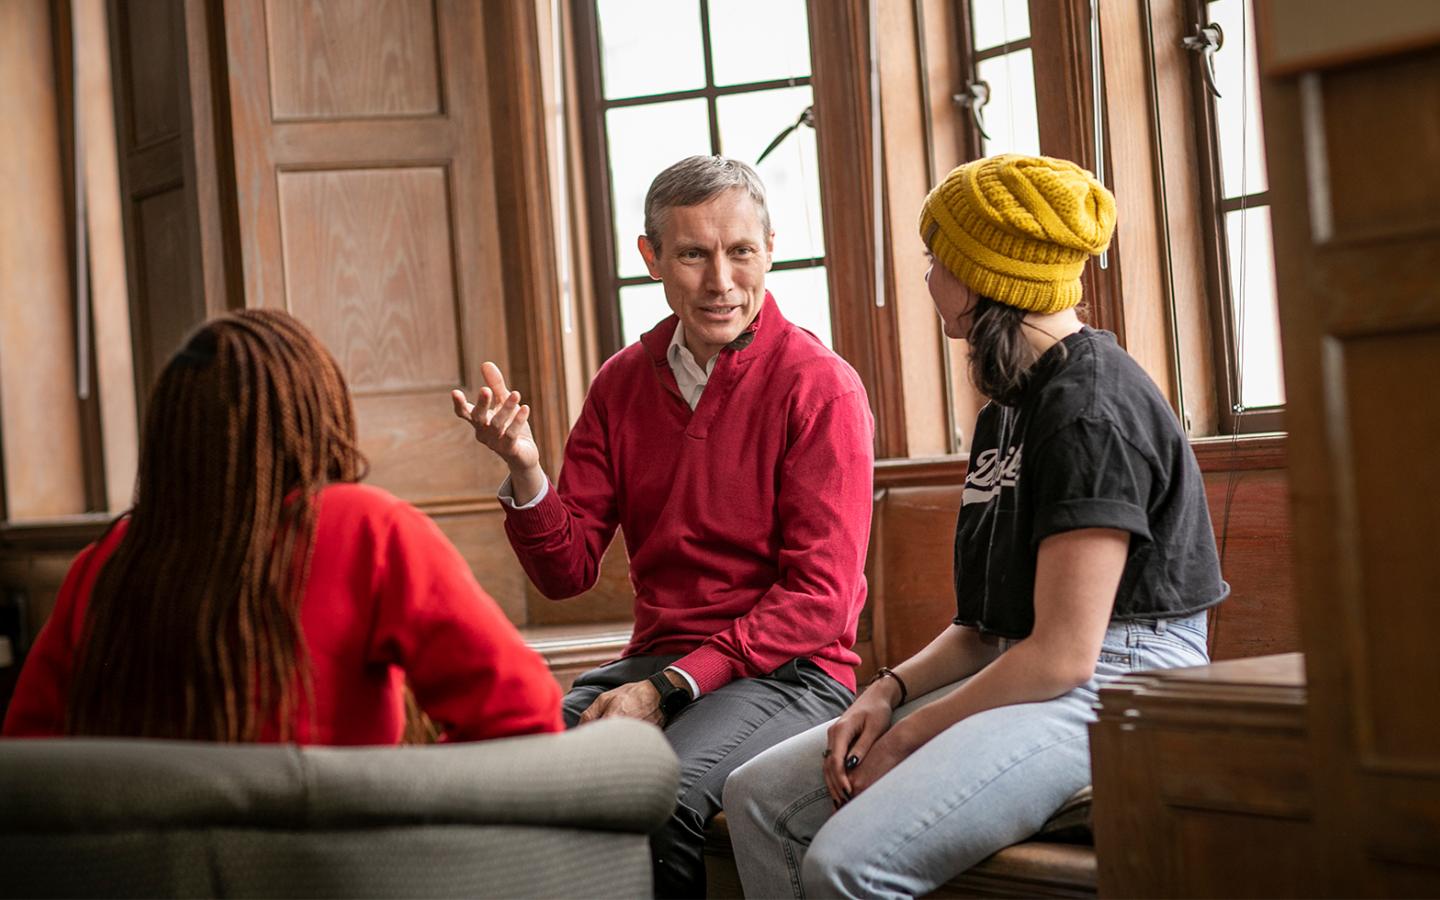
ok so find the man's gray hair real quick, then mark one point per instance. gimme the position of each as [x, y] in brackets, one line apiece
[695, 179]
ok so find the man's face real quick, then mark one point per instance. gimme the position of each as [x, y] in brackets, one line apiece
[712, 261]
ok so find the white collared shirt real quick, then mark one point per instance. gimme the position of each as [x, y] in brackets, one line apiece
[689, 376]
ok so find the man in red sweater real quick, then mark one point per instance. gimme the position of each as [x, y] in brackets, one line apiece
[736, 451]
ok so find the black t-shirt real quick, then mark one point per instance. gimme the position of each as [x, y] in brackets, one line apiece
[1090, 444]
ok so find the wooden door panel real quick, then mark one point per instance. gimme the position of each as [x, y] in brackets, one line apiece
[151, 33]
[1357, 233]
[420, 451]
[1392, 518]
[359, 58]
[363, 161]
[368, 265]
[377, 231]
[163, 277]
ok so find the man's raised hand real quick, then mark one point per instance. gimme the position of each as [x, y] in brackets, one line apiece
[502, 423]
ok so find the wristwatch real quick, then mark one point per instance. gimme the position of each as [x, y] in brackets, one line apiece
[672, 698]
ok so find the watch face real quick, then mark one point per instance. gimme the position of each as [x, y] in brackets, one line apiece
[674, 701]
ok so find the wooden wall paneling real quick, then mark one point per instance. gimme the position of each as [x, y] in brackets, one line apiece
[919, 562]
[40, 433]
[114, 373]
[1174, 102]
[175, 204]
[1360, 324]
[907, 180]
[1140, 226]
[864, 334]
[370, 210]
[523, 199]
[1251, 514]
[1064, 103]
[564, 137]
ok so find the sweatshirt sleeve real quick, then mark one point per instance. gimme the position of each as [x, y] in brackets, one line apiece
[42, 693]
[470, 669]
[825, 504]
[561, 540]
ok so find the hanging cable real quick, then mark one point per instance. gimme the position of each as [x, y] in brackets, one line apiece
[1237, 408]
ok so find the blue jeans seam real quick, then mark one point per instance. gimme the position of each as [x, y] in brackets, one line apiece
[786, 842]
[906, 839]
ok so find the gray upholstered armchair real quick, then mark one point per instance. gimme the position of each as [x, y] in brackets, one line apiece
[552, 815]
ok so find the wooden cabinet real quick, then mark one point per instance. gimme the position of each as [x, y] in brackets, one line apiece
[1203, 782]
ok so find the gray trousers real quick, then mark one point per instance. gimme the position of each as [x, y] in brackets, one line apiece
[713, 736]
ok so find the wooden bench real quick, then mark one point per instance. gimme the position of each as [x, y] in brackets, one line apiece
[912, 597]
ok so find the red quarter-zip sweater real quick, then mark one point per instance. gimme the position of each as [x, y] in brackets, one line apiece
[747, 520]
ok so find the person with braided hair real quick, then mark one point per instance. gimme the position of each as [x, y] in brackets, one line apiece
[1083, 552]
[256, 591]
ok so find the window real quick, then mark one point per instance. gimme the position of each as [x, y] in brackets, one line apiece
[1001, 93]
[674, 78]
[1241, 259]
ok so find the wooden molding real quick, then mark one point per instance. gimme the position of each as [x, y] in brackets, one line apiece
[1225, 454]
[522, 195]
[864, 333]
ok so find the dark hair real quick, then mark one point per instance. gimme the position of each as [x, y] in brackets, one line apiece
[1001, 359]
[193, 627]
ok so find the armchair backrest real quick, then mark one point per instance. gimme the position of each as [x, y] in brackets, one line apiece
[545, 815]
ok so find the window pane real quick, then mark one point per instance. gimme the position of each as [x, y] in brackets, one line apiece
[1237, 78]
[995, 22]
[641, 309]
[748, 123]
[1256, 315]
[759, 40]
[645, 140]
[650, 47]
[804, 298]
[1009, 116]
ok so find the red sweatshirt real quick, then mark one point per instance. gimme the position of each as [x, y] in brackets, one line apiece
[389, 599]
[747, 521]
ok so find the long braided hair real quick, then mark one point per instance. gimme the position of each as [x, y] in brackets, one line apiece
[193, 628]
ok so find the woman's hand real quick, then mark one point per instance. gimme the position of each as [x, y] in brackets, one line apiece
[893, 748]
[852, 735]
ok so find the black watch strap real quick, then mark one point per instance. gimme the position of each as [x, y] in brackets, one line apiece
[672, 698]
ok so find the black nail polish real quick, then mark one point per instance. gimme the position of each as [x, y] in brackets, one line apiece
[852, 762]
[847, 795]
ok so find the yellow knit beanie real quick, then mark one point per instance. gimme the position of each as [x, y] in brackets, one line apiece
[1018, 229]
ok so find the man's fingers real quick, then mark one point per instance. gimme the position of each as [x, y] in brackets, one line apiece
[505, 416]
[462, 406]
[493, 377]
[521, 418]
[592, 712]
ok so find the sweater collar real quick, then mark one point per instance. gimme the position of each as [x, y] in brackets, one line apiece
[755, 341]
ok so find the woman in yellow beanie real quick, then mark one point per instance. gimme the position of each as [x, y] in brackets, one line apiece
[1083, 551]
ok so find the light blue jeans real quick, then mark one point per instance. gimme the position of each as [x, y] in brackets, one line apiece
[983, 784]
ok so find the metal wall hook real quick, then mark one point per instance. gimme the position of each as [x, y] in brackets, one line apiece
[1205, 41]
[976, 95]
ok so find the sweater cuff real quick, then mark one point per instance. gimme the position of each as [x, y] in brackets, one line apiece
[547, 515]
[710, 668]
